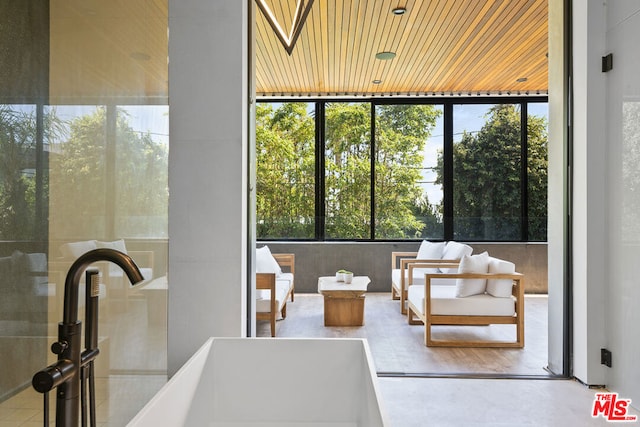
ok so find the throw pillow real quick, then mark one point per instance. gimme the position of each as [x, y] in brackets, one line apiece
[472, 264]
[500, 287]
[429, 250]
[455, 250]
[266, 263]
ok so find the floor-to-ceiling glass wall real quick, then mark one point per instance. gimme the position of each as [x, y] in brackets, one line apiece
[84, 164]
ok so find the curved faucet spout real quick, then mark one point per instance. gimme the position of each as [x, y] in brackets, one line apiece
[72, 282]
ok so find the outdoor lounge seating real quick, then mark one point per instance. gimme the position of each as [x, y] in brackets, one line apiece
[487, 291]
[435, 257]
[272, 281]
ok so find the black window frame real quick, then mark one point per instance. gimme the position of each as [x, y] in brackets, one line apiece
[448, 175]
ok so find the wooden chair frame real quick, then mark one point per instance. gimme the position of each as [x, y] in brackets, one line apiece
[405, 260]
[268, 281]
[432, 319]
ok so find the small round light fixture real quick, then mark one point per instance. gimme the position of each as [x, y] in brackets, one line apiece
[376, 81]
[400, 10]
[385, 56]
[522, 80]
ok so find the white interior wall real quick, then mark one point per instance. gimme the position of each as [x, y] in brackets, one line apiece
[208, 95]
[589, 177]
[606, 250]
[622, 138]
[557, 177]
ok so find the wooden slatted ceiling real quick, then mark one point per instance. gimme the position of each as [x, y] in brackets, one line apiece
[443, 47]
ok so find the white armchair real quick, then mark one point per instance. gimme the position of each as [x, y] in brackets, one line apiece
[273, 286]
[434, 257]
[485, 291]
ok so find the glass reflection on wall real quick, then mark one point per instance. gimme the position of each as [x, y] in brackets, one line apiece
[83, 164]
[630, 221]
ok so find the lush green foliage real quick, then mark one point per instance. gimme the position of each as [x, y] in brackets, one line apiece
[402, 208]
[286, 164]
[348, 170]
[285, 181]
[487, 170]
[486, 176]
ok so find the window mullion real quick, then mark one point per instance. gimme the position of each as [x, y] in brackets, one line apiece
[447, 190]
[524, 177]
[320, 203]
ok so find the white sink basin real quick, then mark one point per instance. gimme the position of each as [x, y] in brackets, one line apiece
[264, 382]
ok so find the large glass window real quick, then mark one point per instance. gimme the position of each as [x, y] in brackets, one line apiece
[408, 139]
[471, 171]
[487, 172]
[537, 164]
[285, 181]
[348, 170]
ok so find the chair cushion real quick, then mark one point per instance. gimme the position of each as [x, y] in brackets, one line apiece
[263, 297]
[472, 264]
[455, 250]
[266, 263]
[285, 277]
[444, 302]
[502, 288]
[431, 250]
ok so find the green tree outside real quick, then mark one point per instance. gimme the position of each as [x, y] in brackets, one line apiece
[403, 210]
[486, 178]
[487, 168]
[285, 152]
[285, 181]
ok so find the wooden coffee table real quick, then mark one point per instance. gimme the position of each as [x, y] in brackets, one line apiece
[343, 303]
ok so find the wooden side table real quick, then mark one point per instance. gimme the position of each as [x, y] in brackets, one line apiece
[343, 303]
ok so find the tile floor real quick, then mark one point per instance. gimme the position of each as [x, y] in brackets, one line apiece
[407, 401]
[419, 402]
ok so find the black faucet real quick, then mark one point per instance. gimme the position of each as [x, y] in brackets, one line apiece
[66, 372]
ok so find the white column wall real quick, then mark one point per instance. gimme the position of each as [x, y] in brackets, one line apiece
[607, 237]
[208, 96]
[622, 285]
[557, 170]
[590, 252]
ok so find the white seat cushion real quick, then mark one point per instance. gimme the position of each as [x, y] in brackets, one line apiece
[285, 277]
[445, 302]
[263, 296]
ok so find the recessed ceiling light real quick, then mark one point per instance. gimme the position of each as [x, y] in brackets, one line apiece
[376, 82]
[399, 10]
[385, 56]
[522, 80]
